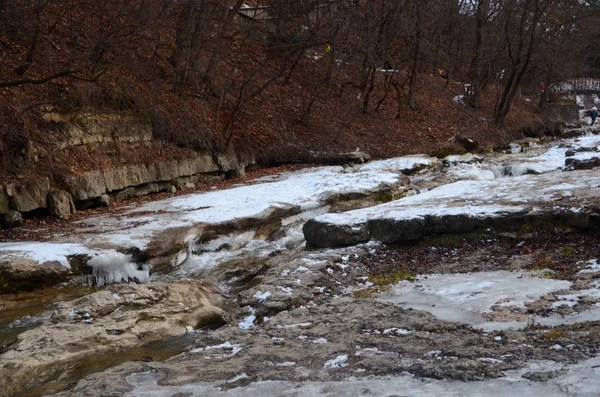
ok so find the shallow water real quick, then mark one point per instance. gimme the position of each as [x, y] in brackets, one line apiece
[28, 310]
[68, 373]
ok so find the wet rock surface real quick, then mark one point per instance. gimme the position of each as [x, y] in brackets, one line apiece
[308, 320]
[121, 317]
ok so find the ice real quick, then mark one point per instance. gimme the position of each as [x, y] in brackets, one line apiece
[248, 321]
[466, 297]
[580, 380]
[113, 267]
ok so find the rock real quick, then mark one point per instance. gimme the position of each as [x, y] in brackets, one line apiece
[125, 194]
[4, 202]
[582, 164]
[320, 235]
[186, 167]
[239, 172]
[391, 231]
[210, 179]
[19, 274]
[172, 190]
[119, 317]
[83, 187]
[227, 162]
[467, 143]
[204, 163]
[60, 204]
[13, 219]
[163, 171]
[103, 200]
[30, 195]
[126, 176]
[147, 189]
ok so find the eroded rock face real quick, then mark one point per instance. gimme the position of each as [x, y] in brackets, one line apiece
[30, 195]
[60, 204]
[24, 274]
[122, 316]
[84, 187]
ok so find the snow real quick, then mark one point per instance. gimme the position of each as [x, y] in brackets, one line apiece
[42, 251]
[262, 296]
[396, 331]
[466, 298]
[338, 362]
[232, 350]
[592, 267]
[105, 235]
[463, 158]
[474, 198]
[398, 164]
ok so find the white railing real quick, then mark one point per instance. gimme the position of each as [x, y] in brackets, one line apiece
[576, 85]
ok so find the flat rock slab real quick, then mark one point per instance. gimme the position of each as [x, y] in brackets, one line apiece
[464, 206]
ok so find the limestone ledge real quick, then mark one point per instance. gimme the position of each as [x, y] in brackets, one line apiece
[121, 182]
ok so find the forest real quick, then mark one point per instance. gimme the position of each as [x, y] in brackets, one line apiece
[216, 74]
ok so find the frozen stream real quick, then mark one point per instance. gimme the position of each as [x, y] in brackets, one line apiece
[293, 296]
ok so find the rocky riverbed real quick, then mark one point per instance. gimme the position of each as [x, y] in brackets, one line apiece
[509, 303]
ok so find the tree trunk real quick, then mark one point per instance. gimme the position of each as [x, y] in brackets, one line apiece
[415, 61]
[475, 75]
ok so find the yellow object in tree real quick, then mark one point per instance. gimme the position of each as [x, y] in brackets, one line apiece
[328, 48]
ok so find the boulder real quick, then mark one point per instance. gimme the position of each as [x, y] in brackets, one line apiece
[320, 234]
[29, 195]
[4, 202]
[239, 172]
[13, 219]
[60, 204]
[104, 201]
[587, 164]
[18, 274]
